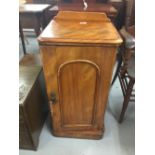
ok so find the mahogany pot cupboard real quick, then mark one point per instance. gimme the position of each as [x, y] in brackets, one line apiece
[78, 51]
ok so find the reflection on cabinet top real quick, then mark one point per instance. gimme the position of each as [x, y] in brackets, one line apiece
[80, 27]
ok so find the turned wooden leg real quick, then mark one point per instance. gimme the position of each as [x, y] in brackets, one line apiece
[126, 99]
[119, 60]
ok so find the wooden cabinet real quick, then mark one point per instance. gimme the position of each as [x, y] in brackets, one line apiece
[78, 53]
[32, 106]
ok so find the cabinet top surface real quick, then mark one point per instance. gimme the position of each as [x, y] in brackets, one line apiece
[27, 78]
[80, 27]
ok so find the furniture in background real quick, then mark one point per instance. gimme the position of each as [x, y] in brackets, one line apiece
[126, 72]
[33, 16]
[78, 52]
[51, 2]
[81, 1]
[92, 7]
[29, 1]
[32, 106]
[22, 37]
[129, 28]
[126, 60]
[120, 6]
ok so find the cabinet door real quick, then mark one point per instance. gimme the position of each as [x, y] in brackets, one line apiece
[74, 81]
[78, 85]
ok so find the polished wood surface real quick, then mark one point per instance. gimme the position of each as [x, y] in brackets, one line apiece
[77, 86]
[78, 72]
[84, 74]
[32, 106]
[80, 27]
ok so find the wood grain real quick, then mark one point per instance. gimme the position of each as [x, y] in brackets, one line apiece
[80, 27]
[53, 57]
[82, 75]
[79, 76]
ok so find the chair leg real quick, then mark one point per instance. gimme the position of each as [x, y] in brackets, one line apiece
[22, 37]
[119, 57]
[117, 71]
[126, 100]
